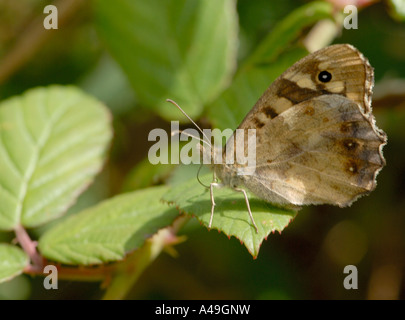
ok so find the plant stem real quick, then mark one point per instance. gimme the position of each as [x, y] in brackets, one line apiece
[123, 274]
[99, 273]
[129, 271]
[30, 247]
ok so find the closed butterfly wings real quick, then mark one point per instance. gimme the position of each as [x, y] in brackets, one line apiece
[316, 141]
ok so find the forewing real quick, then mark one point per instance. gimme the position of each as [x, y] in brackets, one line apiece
[352, 77]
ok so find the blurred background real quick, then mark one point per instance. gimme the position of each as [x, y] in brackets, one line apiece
[307, 259]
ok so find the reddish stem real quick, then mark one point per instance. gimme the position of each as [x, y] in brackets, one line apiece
[29, 246]
[98, 273]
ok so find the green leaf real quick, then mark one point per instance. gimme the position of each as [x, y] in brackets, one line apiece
[230, 215]
[397, 9]
[145, 174]
[13, 260]
[52, 143]
[109, 230]
[108, 83]
[273, 56]
[288, 31]
[184, 50]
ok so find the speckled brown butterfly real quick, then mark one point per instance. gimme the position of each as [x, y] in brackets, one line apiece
[316, 138]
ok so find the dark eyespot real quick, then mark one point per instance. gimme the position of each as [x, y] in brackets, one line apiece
[350, 144]
[324, 76]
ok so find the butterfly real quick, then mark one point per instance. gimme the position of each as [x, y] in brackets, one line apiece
[316, 137]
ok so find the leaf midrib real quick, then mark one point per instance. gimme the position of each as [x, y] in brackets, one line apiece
[33, 163]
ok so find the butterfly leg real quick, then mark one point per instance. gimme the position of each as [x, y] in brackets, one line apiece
[212, 185]
[248, 206]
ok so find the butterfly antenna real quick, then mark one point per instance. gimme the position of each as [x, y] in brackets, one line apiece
[207, 141]
[173, 133]
[183, 112]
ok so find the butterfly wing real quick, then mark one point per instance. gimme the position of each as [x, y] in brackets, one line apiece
[351, 76]
[316, 141]
[323, 150]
